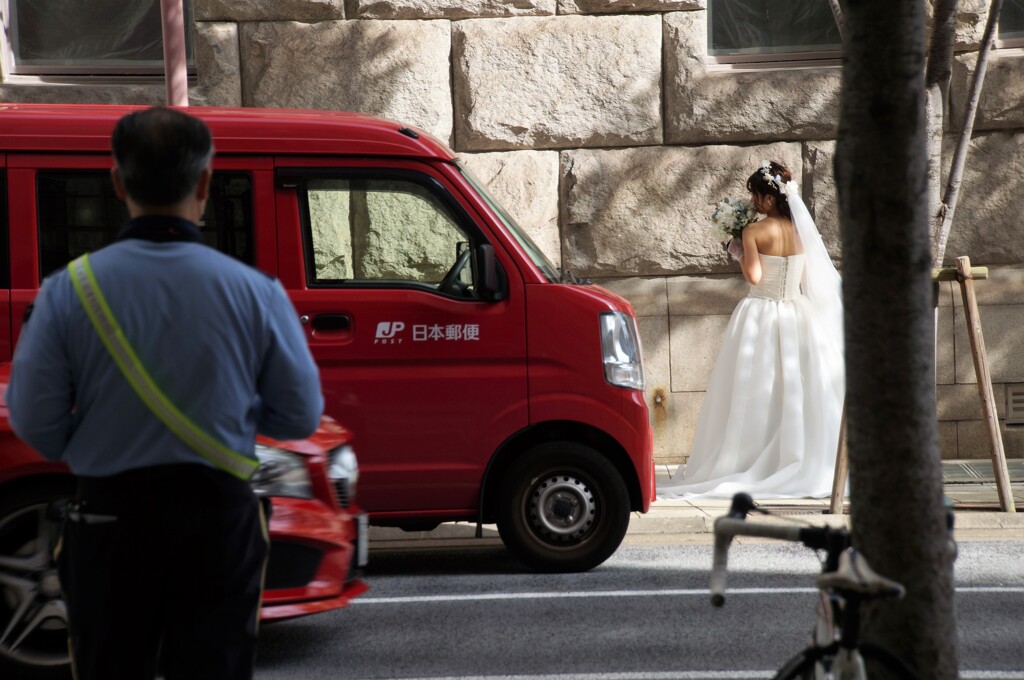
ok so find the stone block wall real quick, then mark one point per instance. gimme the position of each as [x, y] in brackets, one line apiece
[609, 135]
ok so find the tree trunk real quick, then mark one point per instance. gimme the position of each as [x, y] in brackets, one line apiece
[937, 77]
[881, 171]
[944, 220]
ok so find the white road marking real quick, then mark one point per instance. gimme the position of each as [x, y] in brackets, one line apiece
[688, 592]
[691, 675]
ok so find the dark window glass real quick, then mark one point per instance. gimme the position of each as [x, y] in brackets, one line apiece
[89, 36]
[79, 212]
[737, 27]
[1011, 20]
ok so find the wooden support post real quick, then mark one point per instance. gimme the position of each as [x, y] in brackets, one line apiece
[839, 481]
[981, 370]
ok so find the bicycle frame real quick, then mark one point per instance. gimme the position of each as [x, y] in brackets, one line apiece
[846, 580]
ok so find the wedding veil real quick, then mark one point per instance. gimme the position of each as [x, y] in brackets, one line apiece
[823, 285]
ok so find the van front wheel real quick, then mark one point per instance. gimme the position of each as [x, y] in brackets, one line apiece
[563, 507]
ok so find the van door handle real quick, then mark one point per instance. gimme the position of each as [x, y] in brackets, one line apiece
[332, 322]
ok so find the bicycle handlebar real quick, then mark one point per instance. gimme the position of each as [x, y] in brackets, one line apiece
[725, 529]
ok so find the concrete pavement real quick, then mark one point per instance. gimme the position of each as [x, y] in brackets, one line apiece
[969, 484]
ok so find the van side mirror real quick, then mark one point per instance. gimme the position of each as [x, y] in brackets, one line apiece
[492, 283]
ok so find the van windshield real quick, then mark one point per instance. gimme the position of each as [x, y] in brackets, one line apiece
[531, 248]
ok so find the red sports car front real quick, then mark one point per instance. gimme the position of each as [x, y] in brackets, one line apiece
[318, 539]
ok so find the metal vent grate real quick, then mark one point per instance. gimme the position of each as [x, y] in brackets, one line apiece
[1015, 404]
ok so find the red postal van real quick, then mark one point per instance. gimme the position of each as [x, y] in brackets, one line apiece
[482, 384]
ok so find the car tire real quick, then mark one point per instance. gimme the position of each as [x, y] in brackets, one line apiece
[33, 618]
[563, 507]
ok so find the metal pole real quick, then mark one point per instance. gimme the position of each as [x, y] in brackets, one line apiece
[172, 24]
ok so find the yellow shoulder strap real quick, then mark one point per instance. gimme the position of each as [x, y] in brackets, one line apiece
[110, 332]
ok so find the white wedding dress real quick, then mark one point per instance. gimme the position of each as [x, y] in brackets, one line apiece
[769, 425]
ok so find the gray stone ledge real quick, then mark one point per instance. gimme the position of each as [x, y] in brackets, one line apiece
[448, 9]
[30, 92]
[269, 10]
[624, 6]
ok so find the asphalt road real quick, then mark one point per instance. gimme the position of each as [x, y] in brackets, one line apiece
[644, 614]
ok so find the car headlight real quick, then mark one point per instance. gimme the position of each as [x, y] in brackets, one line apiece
[620, 346]
[343, 471]
[281, 473]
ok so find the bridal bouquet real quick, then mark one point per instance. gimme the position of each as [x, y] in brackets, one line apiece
[731, 216]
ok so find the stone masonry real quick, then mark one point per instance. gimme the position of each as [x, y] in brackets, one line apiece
[608, 133]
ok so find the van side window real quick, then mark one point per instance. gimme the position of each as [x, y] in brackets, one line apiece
[384, 231]
[79, 212]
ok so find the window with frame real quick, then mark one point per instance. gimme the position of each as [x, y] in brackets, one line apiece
[384, 231]
[87, 37]
[771, 30]
[1011, 23]
[79, 212]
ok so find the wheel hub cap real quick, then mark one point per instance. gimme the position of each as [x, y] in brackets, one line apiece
[563, 507]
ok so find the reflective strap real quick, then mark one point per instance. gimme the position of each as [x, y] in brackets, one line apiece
[110, 332]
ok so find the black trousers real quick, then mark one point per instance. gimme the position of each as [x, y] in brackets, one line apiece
[166, 560]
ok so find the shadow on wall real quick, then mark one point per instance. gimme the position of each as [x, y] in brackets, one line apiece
[323, 66]
[646, 211]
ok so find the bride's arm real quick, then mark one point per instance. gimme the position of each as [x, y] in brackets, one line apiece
[751, 263]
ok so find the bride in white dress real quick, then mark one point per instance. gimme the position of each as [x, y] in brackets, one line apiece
[769, 424]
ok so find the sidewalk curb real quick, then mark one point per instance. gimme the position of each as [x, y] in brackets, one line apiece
[667, 518]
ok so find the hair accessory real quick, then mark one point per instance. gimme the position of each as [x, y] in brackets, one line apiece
[773, 180]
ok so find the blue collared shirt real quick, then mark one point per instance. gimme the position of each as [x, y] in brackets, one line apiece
[219, 338]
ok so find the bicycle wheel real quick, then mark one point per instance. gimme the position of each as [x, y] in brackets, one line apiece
[892, 663]
[802, 666]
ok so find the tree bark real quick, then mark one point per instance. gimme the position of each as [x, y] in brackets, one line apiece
[881, 170]
[937, 77]
[944, 219]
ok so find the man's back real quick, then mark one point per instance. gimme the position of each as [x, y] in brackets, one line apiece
[218, 338]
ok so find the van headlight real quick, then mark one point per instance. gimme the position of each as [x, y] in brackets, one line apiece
[620, 346]
[281, 473]
[343, 471]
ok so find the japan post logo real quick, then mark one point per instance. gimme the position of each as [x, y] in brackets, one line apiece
[387, 332]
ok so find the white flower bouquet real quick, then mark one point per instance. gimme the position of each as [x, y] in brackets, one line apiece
[731, 216]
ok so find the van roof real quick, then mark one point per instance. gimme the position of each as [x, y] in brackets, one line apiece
[86, 127]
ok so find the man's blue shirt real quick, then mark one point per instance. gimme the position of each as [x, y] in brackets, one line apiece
[219, 338]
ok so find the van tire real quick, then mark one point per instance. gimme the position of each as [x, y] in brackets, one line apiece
[563, 507]
[23, 511]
